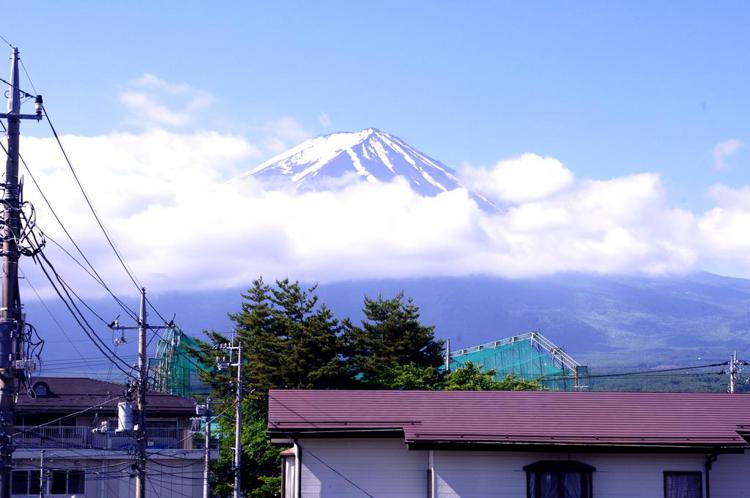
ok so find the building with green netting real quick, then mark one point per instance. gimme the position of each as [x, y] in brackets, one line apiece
[529, 356]
[175, 368]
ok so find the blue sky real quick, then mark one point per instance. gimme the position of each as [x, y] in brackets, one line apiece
[609, 88]
[615, 133]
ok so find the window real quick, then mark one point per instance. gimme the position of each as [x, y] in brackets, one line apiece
[683, 485]
[40, 389]
[25, 482]
[67, 482]
[558, 479]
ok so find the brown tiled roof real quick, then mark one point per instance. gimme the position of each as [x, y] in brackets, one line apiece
[68, 394]
[507, 417]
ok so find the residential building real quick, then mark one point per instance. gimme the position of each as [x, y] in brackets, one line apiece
[67, 443]
[505, 444]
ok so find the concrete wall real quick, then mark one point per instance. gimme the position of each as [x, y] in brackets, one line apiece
[385, 468]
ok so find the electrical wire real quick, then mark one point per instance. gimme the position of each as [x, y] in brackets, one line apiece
[98, 278]
[98, 405]
[6, 41]
[95, 277]
[626, 374]
[41, 259]
[308, 452]
[111, 242]
[23, 66]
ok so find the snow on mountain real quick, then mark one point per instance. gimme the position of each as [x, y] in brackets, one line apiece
[370, 155]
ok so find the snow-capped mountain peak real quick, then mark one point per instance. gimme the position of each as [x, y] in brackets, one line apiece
[371, 155]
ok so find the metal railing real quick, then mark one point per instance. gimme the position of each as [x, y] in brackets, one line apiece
[535, 339]
[83, 437]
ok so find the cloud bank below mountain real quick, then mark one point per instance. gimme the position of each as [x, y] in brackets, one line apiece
[182, 226]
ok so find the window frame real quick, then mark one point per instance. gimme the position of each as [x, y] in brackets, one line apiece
[561, 467]
[697, 473]
[51, 479]
[32, 481]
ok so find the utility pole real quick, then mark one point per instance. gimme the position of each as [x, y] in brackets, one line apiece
[205, 410]
[734, 371]
[140, 391]
[238, 427]
[41, 474]
[237, 416]
[12, 365]
[140, 478]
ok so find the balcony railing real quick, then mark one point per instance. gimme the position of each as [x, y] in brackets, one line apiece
[82, 437]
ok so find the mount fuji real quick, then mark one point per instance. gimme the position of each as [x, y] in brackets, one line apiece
[369, 155]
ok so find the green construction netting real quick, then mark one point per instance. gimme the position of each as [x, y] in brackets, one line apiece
[523, 359]
[175, 368]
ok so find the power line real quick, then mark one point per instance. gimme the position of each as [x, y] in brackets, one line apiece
[74, 413]
[308, 452]
[550, 378]
[23, 66]
[95, 277]
[98, 277]
[111, 242]
[41, 259]
[54, 318]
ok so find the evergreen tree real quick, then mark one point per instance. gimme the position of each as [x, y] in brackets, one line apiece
[469, 377]
[390, 336]
[288, 341]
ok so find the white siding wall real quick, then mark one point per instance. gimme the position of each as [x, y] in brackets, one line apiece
[730, 477]
[501, 475]
[386, 468]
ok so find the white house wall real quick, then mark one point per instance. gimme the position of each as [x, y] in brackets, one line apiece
[730, 477]
[385, 468]
[500, 474]
[382, 467]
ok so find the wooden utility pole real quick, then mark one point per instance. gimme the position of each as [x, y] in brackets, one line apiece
[12, 364]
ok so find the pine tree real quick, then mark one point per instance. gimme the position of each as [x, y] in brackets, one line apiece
[288, 341]
[391, 335]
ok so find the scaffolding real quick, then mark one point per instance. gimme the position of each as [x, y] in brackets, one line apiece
[175, 367]
[529, 356]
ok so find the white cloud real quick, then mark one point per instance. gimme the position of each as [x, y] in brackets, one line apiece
[282, 134]
[324, 119]
[725, 229]
[724, 150]
[181, 226]
[523, 178]
[153, 102]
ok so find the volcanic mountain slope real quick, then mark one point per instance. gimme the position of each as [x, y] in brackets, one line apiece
[369, 155]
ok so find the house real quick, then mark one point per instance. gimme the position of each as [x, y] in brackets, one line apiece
[502, 444]
[66, 427]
